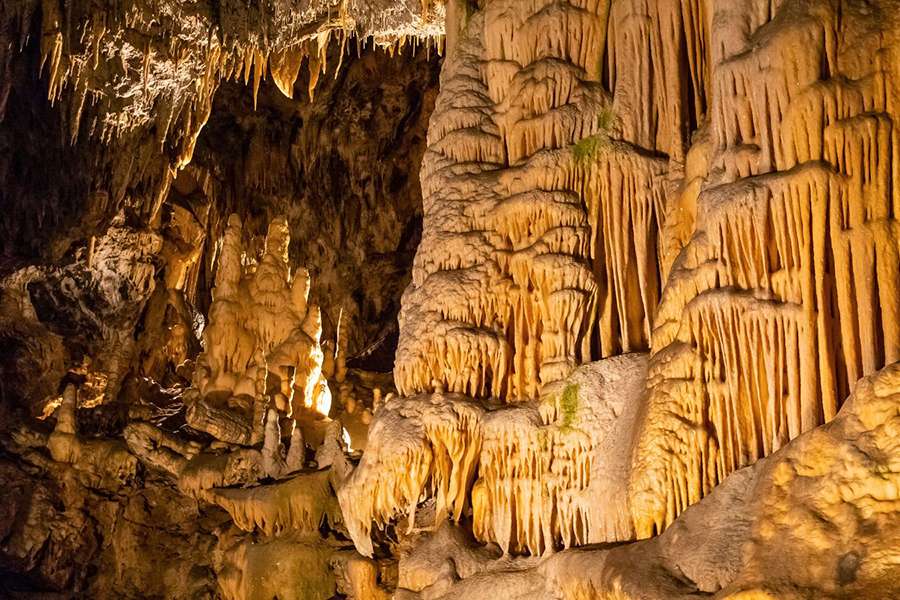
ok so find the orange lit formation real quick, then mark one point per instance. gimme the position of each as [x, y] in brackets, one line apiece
[648, 347]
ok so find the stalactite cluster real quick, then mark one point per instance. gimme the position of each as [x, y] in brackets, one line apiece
[527, 474]
[538, 225]
[785, 294]
[174, 72]
[648, 346]
[708, 181]
[140, 77]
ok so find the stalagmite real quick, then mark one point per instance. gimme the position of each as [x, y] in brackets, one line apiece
[103, 462]
[296, 455]
[273, 461]
[648, 348]
[262, 342]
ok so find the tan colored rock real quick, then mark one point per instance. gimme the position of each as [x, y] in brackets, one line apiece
[539, 223]
[740, 256]
[101, 462]
[247, 569]
[262, 343]
[529, 474]
[783, 297]
[817, 519]
[301, 503]
[659, 249]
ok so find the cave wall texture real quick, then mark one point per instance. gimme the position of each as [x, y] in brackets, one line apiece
[533, 299]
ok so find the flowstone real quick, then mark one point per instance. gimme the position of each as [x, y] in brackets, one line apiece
[527, 475]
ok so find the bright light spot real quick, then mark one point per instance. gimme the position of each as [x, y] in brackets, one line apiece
[50, 407]
[346, 436]
[322, 400]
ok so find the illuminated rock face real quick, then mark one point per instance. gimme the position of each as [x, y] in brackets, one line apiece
[659, 252]
[551, 175]
[785, 293]
[529, 474]
[538, 254]
[171, 469]
[817, 519]
[262, 342]
[707, 181]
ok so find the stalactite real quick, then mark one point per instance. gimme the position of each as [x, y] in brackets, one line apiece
[530, 479]
[530, 473]
[301, 504]
[538, 225]
[783, 297]
[144, 83]
[430, 447]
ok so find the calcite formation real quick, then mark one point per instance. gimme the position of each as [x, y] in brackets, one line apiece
[172, 55]
[540, 251]
[102, 461]
[161, 469]
[570, 216]
[782, 298]
[301, 505]
[827, 494]
[261, 345]
[540, 221]
[245, 570]
[648, 348]
[527, 474]
[355, 210]
[134, 84]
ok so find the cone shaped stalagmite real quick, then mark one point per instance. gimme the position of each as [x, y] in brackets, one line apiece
[261, 346]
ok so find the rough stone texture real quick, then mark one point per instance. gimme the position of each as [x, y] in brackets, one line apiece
[344, 171]
[733, 213]
[656, 249]
[531, 245]
[814, 520]
[530, 474]
[112, 299]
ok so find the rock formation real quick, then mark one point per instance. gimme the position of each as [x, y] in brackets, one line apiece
[802, 523]
[794, 229]
[528, 474]
[648, 347]
[261, 345]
